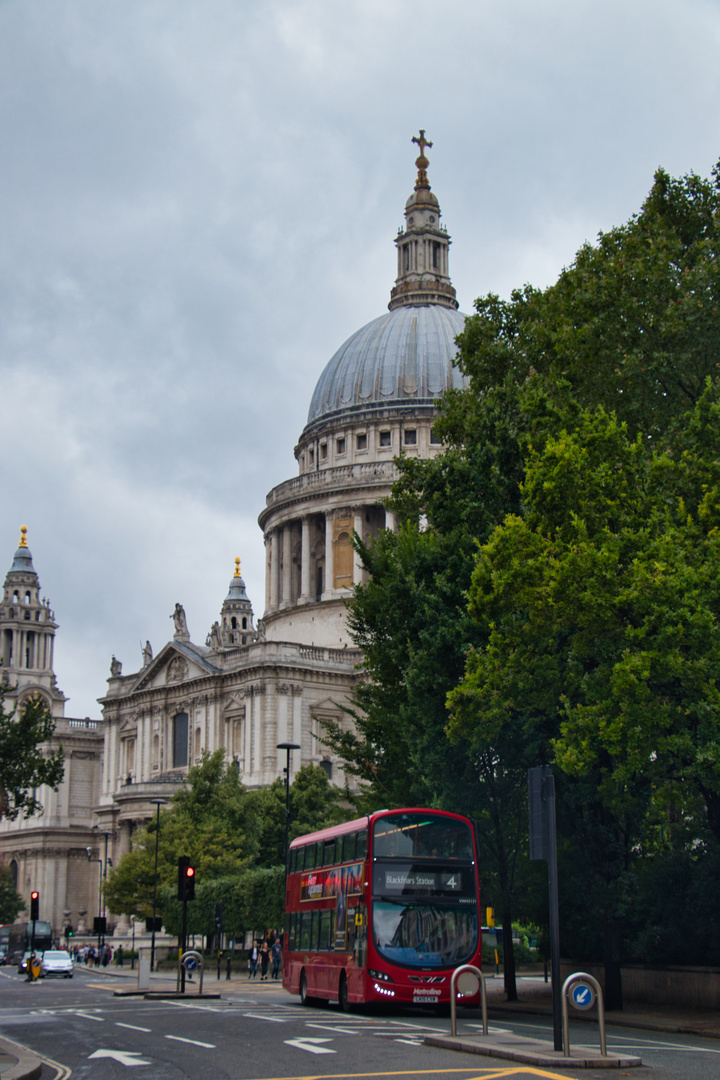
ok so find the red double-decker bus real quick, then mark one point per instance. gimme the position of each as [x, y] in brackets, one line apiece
[383, 908]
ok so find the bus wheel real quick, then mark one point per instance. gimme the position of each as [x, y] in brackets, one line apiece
[304, 999]
[343, 1001]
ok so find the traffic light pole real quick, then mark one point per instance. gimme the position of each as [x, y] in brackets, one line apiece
[183, 945]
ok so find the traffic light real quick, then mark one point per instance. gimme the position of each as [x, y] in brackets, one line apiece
[219, 918]
[34, 906]
[68, 932]
[186, 879]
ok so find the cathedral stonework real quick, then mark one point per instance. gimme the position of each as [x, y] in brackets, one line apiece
[251, 686]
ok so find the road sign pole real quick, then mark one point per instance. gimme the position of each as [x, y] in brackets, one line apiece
[183, 945]
[549, 798]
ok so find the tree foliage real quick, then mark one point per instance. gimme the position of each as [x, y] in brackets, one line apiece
[228, 833]
[11, 903]
[26, 762]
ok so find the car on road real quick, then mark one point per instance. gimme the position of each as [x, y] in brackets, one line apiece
[57, 962]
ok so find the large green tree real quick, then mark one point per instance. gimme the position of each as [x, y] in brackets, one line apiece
[599, 611]
[26, 762]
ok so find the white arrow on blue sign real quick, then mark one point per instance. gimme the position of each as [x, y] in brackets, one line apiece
[582, 996]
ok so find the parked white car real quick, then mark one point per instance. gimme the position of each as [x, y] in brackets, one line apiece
[57, 962]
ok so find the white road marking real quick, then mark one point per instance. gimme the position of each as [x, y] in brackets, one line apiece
[89, 1016]
[310, 1044]
[124, 1057]
[133, 1027]
[193, 1042]
[328, 1027]
[272, 1019]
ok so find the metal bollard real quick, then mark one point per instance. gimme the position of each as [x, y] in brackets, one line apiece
[227, 974]
[586, 982]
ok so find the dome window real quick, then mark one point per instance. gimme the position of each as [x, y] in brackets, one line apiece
[386, 438]
[361, 441]
[323, 451]
[340, 446]
[411, 437]
[434, 438]
[27, 598]
[233, 623]
[244, 622]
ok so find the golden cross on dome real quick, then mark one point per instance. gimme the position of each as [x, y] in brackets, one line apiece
[23, 536]
[237, 566]
[422, 162]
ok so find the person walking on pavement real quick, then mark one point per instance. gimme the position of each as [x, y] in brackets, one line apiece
[264, 960]
[276, 953]
[254, 953]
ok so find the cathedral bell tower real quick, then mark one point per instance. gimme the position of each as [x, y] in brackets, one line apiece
[27, 634]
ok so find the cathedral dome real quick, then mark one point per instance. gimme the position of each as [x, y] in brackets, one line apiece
[402, 358]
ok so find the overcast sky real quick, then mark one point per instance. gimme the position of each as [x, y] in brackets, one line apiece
[198, 200]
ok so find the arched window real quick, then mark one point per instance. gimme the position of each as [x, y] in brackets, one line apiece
[198, 737]
[180, 740]
[233, 623]
[27, 598]
[244, 623]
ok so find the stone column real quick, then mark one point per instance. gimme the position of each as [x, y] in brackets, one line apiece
[358, 527]
[268, 569]
[287, 566]
[305, 562]
[274, 570]
[390, 520]
[329, 582]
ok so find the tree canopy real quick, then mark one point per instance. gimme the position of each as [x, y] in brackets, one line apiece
[229, 834]
[26, 762]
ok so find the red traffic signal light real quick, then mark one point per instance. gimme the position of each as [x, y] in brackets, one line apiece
[34, 906]
[186, 879]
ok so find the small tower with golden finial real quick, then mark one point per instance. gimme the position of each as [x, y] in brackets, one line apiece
[422, 246]
[236, 616]
[27, 633]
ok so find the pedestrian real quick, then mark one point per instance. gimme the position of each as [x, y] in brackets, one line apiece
[264, 961]
[253, 961]
[276, 953]
[119, 956]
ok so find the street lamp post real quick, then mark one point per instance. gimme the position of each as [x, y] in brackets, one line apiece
[89, 851]
[158, 803]
[287, 747]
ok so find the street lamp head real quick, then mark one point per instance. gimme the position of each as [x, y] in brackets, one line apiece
[159, 802]
[288, 746]
[89, 851]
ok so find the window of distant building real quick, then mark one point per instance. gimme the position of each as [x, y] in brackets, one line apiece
[323, 451]
[411, 437]
[180, 740]
[361, 442]
[434, 437]
[327, 766]
[340, 445]
[385, 438]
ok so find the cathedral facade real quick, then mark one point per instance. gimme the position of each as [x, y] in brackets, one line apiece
[253, 684]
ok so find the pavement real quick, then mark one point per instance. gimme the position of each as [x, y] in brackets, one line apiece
[534, 998]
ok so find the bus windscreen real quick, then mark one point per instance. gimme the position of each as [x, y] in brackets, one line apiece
[421, 836]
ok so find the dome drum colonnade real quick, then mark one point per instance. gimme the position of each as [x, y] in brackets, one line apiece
[374, 400]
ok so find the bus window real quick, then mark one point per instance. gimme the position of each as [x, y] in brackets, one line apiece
[348, 843]
[329, 853]
[325, 942]
[361, 850]
[418, 835]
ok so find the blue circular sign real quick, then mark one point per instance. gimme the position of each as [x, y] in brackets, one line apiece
[190, 963]
[582, 995]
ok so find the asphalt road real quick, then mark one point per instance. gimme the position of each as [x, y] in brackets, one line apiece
[258, 1032]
